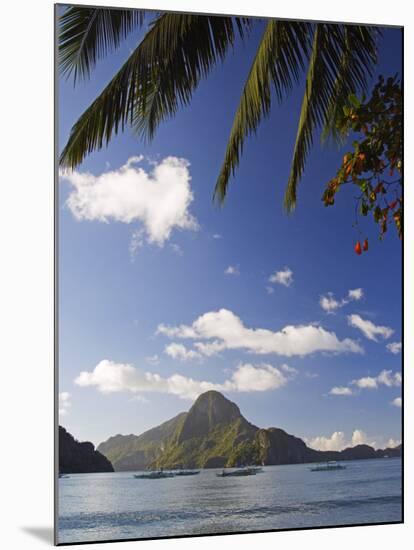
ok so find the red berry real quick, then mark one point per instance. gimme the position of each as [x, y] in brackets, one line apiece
[358, 249]
[365, 245]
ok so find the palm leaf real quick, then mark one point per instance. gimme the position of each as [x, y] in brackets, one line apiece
[88, 34]
[356, 65]
[159, 77]
[341, 58]
[279, 59]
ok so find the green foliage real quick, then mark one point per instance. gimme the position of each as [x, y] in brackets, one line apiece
[159, 76]
[88, 34]
[376, 156]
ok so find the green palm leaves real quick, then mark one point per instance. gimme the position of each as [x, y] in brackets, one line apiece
[178, 50]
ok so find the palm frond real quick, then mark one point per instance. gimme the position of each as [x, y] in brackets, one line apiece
[279, 58]
[159, 77]
[341, 58]
[88, 34]
[356, 67]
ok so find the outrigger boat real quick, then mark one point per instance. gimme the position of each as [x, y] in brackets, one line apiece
[160, 474]
[238, 473]
[186, 472]
[330, 465]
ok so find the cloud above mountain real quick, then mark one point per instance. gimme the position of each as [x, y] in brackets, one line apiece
[111, 377]
[225, 330]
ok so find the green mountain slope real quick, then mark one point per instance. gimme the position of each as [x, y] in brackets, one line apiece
[132, 452]
[212, 432]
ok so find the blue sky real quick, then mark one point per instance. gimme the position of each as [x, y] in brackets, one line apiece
[112, 300]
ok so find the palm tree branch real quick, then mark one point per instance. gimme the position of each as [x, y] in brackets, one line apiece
[174, 55]
[88, 34]
[279, 58]
[341, 59]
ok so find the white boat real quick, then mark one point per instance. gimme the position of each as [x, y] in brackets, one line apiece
[328, 466]
[242, 472]
[159, 474]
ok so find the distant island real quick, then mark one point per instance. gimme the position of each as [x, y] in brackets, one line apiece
[214, 434]
[80, 457]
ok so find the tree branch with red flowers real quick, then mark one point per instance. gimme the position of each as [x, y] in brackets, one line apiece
[374, 166]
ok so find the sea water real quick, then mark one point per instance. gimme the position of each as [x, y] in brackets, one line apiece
[113, 506]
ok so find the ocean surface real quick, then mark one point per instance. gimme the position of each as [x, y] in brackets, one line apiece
[96, 507]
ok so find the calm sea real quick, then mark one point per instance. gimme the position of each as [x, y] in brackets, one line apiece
[95, 507]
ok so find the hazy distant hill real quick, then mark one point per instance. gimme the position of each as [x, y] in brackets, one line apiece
[214, 434]
[80, 457]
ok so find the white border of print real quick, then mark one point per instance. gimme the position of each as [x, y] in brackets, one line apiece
[26, 289]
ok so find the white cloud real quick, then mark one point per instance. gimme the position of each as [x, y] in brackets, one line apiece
[385, 378]
[283, 277]
[225, 327]
[367, 382]
[110, 377]
[152, 359]
[394, 347]
[355, 294]
[64, 403]
[270, 290]
[248, 377]
[159, 199]
[330, 304]
[179, 351]
[391, 443]
[217, 236]
[232, 270]
[210, 348]
[341, 390]
[338, 441]
[368, 328]
[397, 402]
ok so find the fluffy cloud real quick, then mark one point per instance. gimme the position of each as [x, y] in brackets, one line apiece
[228, 332]
[338, 441]
[283, 277]
[397, 402]
[232, 270]
[355, 294]
[110, 377]
[368, 328]
[179, 351]
[64, 403]
[341, 390]
[152, 359]
[159, 200]
[394, 347]
[330, 304]
[385, 378]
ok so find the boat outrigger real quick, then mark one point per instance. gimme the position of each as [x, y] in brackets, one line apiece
[249, 471]
[328, 466]
[159, 474]
[186, 472]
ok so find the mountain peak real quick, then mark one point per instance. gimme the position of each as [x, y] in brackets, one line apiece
[208, 411]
